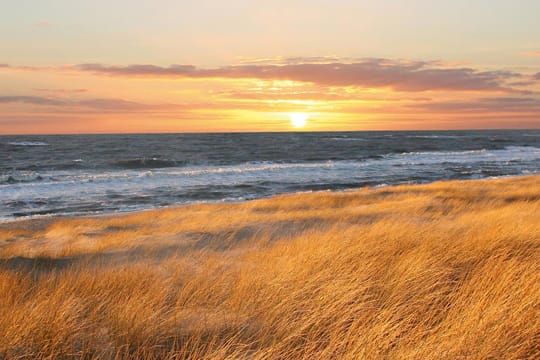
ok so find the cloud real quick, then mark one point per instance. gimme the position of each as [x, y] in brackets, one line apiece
[114, 104]
[399, 75]
[281, 60]
[105, 104]
[409, 76]
[64, 68]
[35, 100]
[62, 91]
[522, 83]
[483, 105]
[139, 70]
[324, 94]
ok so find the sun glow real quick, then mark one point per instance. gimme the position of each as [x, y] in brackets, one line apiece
[298, 120]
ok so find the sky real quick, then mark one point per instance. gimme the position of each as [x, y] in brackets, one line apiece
[217, 66]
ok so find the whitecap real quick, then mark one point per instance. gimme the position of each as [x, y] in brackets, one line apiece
[27, 143]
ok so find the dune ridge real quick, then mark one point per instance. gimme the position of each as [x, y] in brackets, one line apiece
[449, 270]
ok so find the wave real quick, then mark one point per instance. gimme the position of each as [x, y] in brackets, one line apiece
[250, 167]
[119, 190]
[145, 163]
[347, 139]
[10, 180]
[508, 150]
[158, 168]
[505, 155]
[27, 143]
[502, 157]
[437, 136]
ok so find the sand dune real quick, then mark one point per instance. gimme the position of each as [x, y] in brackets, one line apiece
[447, 270]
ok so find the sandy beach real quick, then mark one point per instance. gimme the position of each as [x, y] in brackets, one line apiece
[447, 270]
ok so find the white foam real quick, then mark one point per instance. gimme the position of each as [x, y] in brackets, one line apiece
[438, 136]
[347, 139]
[510, 153]
[27, 143]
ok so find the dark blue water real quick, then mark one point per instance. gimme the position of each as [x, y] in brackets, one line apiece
[92, 174]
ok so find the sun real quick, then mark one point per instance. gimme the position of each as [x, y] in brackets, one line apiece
[298, 120]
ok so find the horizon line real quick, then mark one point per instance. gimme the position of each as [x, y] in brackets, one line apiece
[267, 132]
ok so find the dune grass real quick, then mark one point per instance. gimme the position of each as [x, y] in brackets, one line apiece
[449, 270]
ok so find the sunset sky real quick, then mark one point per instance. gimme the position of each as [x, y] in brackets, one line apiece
[69, 66]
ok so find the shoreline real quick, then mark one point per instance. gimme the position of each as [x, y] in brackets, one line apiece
[90, 176]
[48, 218]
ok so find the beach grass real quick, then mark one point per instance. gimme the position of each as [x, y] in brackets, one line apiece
[449, 270]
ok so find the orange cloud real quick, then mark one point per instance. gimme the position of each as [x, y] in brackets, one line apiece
[35, 100]
[371, 73]
[101, 104]
[483, 105]
[62, 91]
[399, 75]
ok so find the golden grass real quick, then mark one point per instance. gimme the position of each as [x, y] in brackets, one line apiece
[449, 270]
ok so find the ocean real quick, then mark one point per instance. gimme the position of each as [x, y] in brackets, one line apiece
[98, 174]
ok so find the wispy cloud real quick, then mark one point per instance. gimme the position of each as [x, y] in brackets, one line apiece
[35, 100]
[375, 73]
[140, 70]
[395, 74]
[102, 104]
[283, 60]
[323, 94]
[61, 91]
[115, 104]
[482, 105]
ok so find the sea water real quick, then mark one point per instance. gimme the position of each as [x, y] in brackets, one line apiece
[94, 174]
